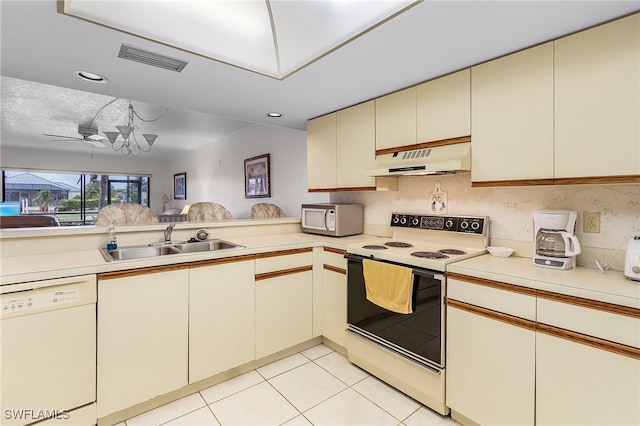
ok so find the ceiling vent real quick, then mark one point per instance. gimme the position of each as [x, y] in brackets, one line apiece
[154, 59]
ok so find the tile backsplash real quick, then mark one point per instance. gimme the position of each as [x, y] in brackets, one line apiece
[510, 208]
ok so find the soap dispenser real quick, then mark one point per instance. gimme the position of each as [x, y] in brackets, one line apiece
[112, 243]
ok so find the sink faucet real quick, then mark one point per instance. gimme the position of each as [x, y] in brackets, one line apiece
[167, 232]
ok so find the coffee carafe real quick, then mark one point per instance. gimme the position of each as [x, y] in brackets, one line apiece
[555, 243]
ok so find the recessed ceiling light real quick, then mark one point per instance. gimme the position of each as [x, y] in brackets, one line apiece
[274, 114]
[92, 77]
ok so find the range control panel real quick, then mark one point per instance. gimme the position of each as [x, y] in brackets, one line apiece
[478, 225]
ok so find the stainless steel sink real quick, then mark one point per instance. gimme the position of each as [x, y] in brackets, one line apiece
[155, 250]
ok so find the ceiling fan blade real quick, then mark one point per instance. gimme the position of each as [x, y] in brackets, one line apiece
[96, 143]
[64, 137]
[96, 138]
[67, 140]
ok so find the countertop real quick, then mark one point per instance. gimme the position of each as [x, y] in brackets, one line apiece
[589, 283]
[24, 268]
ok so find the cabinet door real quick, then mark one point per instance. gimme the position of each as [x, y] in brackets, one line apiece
[334, 297]
[283, 312]
[444, 107]
[490, 369]
[221, 318]
[321, 152]
[597, 101]
[582, 385]
[396, 119]
[142, 338]
[512, 110]
[356, 145]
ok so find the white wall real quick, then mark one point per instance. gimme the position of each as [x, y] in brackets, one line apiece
[215, 172]
[39, 160]
[510, 208]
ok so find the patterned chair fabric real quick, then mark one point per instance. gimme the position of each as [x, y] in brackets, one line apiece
[125, 214]
[266, 210]
[208, 212]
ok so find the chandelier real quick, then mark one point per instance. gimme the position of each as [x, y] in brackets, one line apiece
[128, 144]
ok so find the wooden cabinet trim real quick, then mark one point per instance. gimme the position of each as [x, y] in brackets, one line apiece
[549, 295]
[606, 345]
[430, 144]
[335, 269]
[493, 284]
[275, 274]
[283, 253]
[335, 250]
[590, 304]
[141, 271]
[489, 313]
[589, 180]
[322, 189]
[221, 261]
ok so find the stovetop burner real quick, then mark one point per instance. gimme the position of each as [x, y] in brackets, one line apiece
[452, 251]
[399, 244]
[374, 247]
[429, 255]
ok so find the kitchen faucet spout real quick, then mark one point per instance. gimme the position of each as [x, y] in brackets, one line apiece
[167, 232]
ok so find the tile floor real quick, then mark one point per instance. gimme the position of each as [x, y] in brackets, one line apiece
[317, 386]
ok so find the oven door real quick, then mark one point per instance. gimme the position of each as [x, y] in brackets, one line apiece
[418, 336]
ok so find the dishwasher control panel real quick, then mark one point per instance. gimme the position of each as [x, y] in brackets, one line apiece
[33, 297]
[32, 300]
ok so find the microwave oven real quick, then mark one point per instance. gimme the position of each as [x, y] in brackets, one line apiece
[336, 220]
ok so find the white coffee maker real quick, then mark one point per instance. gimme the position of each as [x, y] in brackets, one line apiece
[555, 243]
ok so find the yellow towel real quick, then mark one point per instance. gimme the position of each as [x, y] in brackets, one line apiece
[388, 286]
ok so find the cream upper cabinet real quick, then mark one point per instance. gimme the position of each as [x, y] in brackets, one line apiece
[597, 101]
[396, 119]
[221, 318]
[512, 116]
[321, 153]
[356, 142]
[444, 107]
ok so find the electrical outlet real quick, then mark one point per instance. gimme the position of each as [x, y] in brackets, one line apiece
[591, 222]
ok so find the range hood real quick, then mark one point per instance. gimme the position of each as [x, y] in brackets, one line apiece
[424, 161]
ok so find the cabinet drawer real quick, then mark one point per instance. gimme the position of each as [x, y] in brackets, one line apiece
[619, 328]
[334, 258]
[508, 299]
[278, 261]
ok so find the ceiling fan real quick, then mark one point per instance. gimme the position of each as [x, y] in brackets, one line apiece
[88, 134]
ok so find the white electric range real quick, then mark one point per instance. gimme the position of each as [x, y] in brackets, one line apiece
[408, 350]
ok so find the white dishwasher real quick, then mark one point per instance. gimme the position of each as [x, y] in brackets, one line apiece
[48, 351]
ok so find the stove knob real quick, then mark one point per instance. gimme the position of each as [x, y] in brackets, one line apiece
[403, 220]
[448, 224]
[415, 221]
[395, 218]
[475, 225]
[464, 225]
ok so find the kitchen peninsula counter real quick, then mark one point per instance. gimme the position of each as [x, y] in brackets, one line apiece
[588, 283]
[32, 267]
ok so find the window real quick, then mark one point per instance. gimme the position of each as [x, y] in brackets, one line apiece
[74, 198]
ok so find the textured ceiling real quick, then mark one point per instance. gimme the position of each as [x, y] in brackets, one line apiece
[210, 99]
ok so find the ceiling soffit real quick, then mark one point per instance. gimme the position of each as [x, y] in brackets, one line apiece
[271, 37]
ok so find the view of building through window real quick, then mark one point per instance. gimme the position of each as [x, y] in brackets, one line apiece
[73, 198]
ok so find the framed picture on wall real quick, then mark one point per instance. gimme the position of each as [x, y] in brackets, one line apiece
[180, 186]
[257, 177]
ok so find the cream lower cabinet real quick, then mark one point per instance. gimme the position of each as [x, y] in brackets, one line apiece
[334, 296]
[142, 336]
[490, 375]
[221, 316]
[587, 363]
[283, 300]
